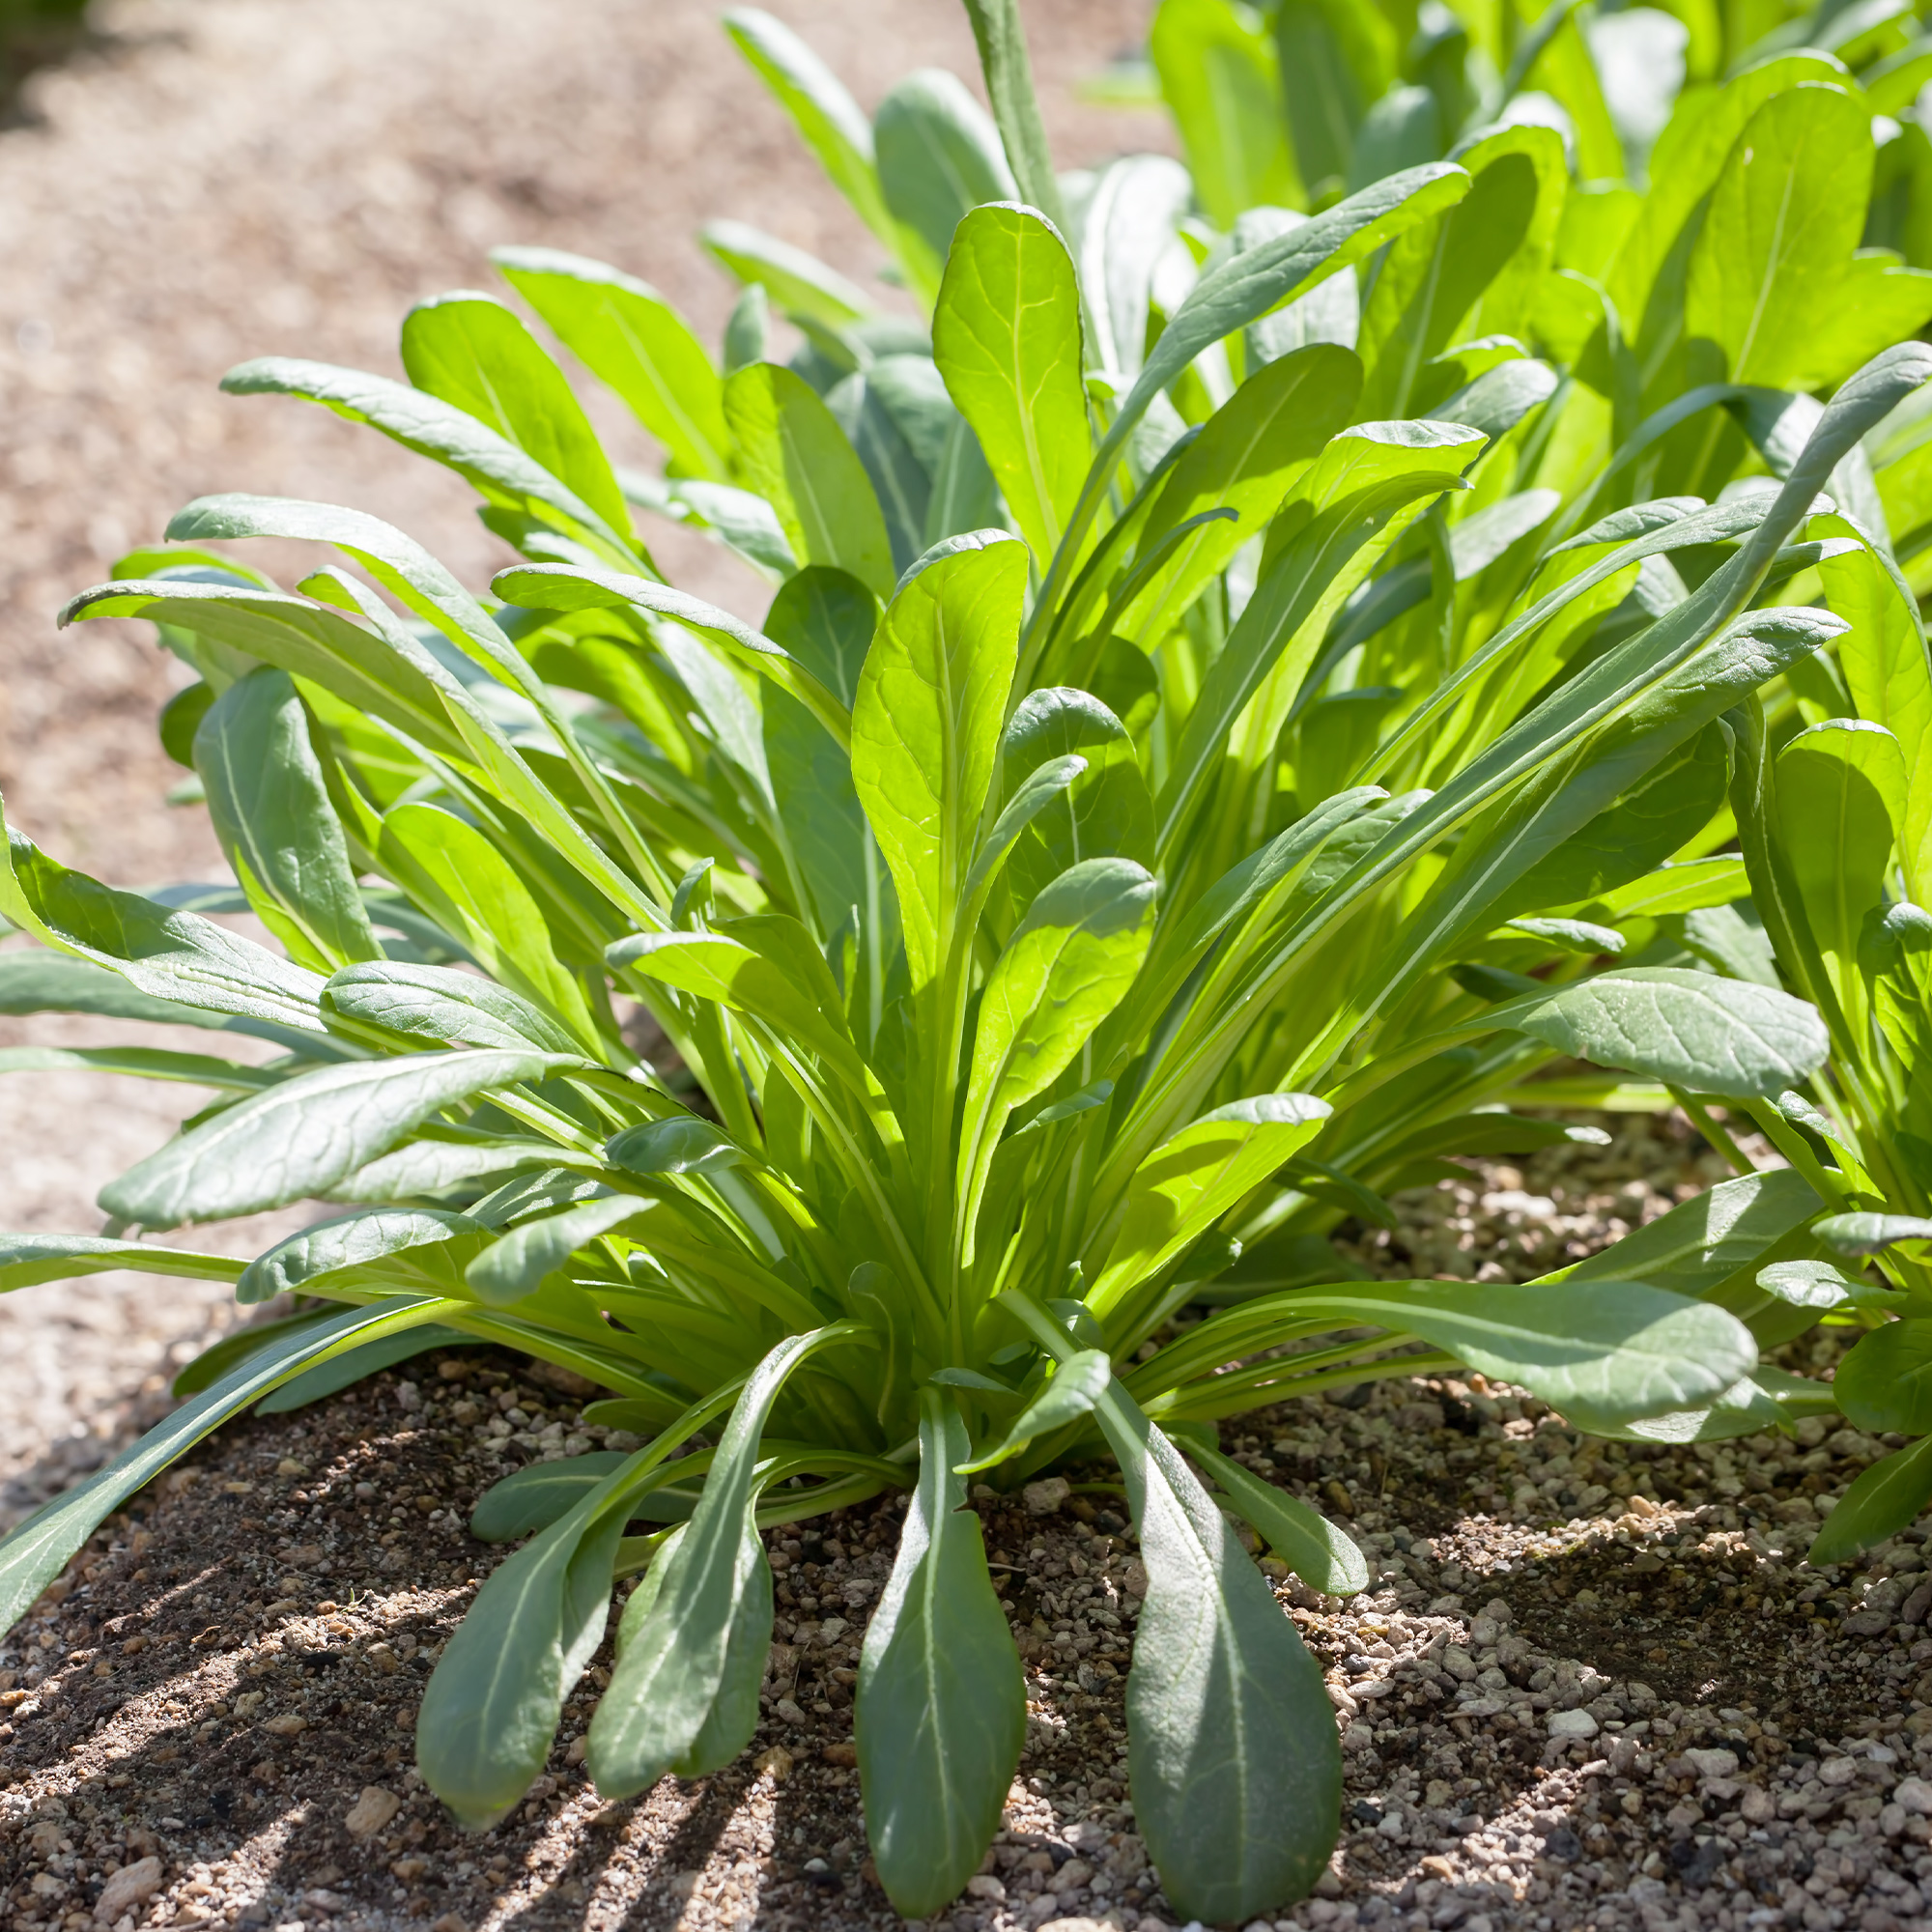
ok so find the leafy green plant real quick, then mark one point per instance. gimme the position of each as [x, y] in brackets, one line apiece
[1219, 718]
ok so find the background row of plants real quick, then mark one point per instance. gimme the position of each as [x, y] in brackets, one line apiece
[1283, 669]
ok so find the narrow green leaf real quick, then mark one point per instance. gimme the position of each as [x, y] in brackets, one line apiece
[1217, 69]
[800, 284]
[318, 1384]
[539, 1496]
[145, 1063]
[940, 1702]
[527, 1256]
[28, 1260]
[1312, 1546]
[422, 1250]
[1865, 1234]
[939, 157]
[1889, 1497]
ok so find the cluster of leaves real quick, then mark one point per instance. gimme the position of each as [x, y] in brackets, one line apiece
[1247, 687]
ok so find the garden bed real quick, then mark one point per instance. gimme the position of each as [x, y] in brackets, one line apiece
[1591, 1684]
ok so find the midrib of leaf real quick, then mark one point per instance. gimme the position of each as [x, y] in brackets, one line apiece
[801, 480]
[1776, 256]
[1029, 430]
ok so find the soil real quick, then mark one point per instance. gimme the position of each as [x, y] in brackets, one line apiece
[1591, 1685]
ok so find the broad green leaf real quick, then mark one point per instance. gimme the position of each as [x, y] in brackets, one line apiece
[1128, 226]
[1887, 669]
[434, 1003]
[1885, 1384]
[1246, 457]
[1807, 1284]
[1077, 1385]
[527, 1256]
[28, 1260]
[422, 1250]
[1838, 799]
[272, 812]
[162, 953]
[1233, 1757]
[800, 284]
[1687, 1029]
[1868, 1234]
[36, 1552]
[460, 877]
[1217, 69]
[306, 1134]
[1104, 811]
[432, 1167]
[627, 335]
[535, 1497]
[792, 451]
[1467, 273]
[833, 124]
[688, 1655]
[1773, 282]
[1006, 335]
[925, 726]
[939, 157]
[1188, 1183]
[940, 1702]
[1067, 966]
[1312, 1548]
[1890, 1496]
[431, 427]
[1682, 885]
[470, 351]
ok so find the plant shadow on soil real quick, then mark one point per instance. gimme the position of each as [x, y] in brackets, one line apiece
[240, 1653]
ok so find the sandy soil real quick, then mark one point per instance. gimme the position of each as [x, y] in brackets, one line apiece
[220, 179]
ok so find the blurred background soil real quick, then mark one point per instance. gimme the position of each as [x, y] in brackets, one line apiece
[204, 180]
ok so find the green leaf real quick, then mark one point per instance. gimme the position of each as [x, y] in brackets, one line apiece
[539, 1496]
[1774, 281]
[689, 1653]
[1703, 1241]
[1885, 1383]
[470, 351]
[37, 1551]
[833, 124]
[527, 1256]
[1807, 1284]
[1247, 456]
[1077, 1385]
[145, 1063]
[628, 337]
[431, 427]
[1865, 1234]
[1000, 36]
[422, 1250]
[58, 983]
[800, 284]
[793, 452]
[1890, 1496]
[925, 725]
[163, 955]
[1369, 483]
[1104, 811]
[941, 1701]
[939, 157]
[237, 1345]
[460, 877]
[1312, 1546]
[1217, 69]
[1685, 1028]
[1233, 1757]
[272, 812]
[28, 1260]
[1191, 1180]
[1006, 335]
[306, 1134]
[1067, 966]
[346, 1371]
[434, 1003]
